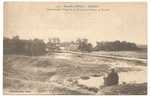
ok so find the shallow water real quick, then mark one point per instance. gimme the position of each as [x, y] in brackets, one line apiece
[92, 82]
[63, 56]
[124, 77]
[128, 54]
[133, 77]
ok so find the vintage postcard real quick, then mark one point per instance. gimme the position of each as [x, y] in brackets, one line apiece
[75, 48]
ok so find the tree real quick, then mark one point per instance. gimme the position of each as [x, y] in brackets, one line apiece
[38, 47]
[84, 45]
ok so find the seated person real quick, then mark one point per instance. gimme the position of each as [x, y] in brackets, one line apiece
[112, 78]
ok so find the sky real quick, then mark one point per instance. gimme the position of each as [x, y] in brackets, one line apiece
[107, 22]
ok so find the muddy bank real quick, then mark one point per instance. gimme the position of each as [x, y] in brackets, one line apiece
[50, 74]
[127, 89]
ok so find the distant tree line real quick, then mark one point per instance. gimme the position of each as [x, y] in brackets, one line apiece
[38, 47]
[16, 45]
[116, 46]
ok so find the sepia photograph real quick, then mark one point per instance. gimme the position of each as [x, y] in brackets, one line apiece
[75, 48]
